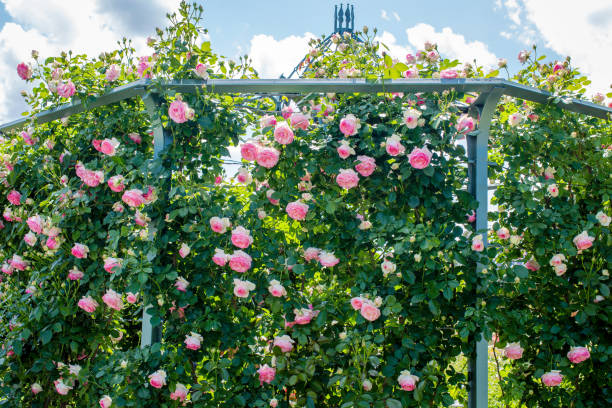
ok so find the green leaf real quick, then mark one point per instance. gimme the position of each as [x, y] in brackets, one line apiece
[393, 403]
[46, 336]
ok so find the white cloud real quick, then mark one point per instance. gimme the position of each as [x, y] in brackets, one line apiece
[384, 15]
[272, 57]
[396, 16]
[395, 50]
[514, 11]
[505, 34]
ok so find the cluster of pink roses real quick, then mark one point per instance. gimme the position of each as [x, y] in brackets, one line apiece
[368, 308]
[326, 259]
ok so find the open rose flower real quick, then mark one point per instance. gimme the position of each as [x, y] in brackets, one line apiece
[285, 343]
[249, 150]
[419, 158]
[513, 351]
[116, 183]
[35, 223]
[24, 71]
[267, 157]
[283, 133]
[220, 225]
[583, 241]
[393, 146]
[266, 374]
[240, 261]
[553, 190]
[366, 165]
[552, 378]
[66, 89]
[347, 178]
[88, 304]
[179, 111]
[369, 311]
[193, 340]
[61, 388]
[220, 258]
[557, 260]
[503, 233]
[387, 267]
[109, 146]
[328, 259]
[133, 198]
[311, 253]
[14, 197]
[113, 300]
[297, 210]
[349, 125]
[465, 124]
[578, 354]
[105, 402]
[201, 70]
[299, 120]
[243, 176]
[80, 251]
[184, 250]
[241, 237]
[243, 287]
[180, 392]
[276, 289]
[112, 265]
[131, 298]
[477, 243]
[345, 150]
[411, 118]
[181, 284]
[532, 264]
[407, 381]
[267, 120]
[515, 118]
[74, 274]
[603, 219]
[30, 238]
[158, 379]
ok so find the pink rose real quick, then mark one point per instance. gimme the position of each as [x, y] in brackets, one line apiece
[241, 237]
[135, 137]
[60, 387]
[349, 125]
[269, 196]
[27, 137]
[465, 124]
[532, 264]
[52, 243]
[88, 304]
[143, 67]
[24, 71]
[178, 111]
[347, 178]
[407, 381]
[522, 56]
[287, 110]
[131, 297]
[311, 253]
[515, 118]
[513, 351]
[184, 250]
[219, 225]
[345, 150]
[192, 341]
[240, 261]
[578, 354]
[267, 157]
[112, 265]
[283, 133]
[411, 73]
[553, 190]
[560, 269]
[66, 89]
[75, 274]
[366, 165]
[328, 259]
[220, 258]
[285, 343]
[583, 241]
[113, 300]
[249, 150]
[557, 260]
[181, 284]
[411, 118]
[201, 70]
[109, 146]
[116, 183]
[244, 176]
[357, 303]
[242, 288]
[267, 120]
[297, 210]
[299, 121]
[448, 74]
[552, 378]
[80, 251]
[503, 233]
[393, 146]
[420, 158]
[36, 388]
[105, 401]
[133, 198]
[276, 289]
[35, 223]
[180, 392]
[304, 316]
[387, 267]
[14, 197]
[477, 243]
[369, 310]
[112, 73]
[266, 374]
[158, 379]
[30, 238]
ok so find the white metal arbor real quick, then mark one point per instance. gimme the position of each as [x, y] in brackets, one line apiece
[490, 91]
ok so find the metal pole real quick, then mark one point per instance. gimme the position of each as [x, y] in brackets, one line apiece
[478, 146]
[162, 138]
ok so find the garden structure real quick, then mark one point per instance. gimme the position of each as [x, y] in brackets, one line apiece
[348, 263]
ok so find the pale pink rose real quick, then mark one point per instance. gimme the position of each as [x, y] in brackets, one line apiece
[201, 70]
[366, 165]
[599, 97]
[220, 258]
[557, 260]
[410, 59]
[357, 303]
[267, 120]
[583, 241]
[30, 238]
[240, 261]
[578, 354]
[135, 137]
[141, 218]
[180, 392]
[411, 73]
[549, 173]
[181, 284]
[7, 269]
[285, 343]
[88, 304]
[112, 265]
[193, 340]
[178, 111]
[465, 124]
[184, 250]
[113, 299]
[477, 243]
[244, 176]
[349, 125]
[515, 118]
[219, 225]
[118, 207]
[328, 259]
[560, 269]
[345, 150]
[116, 183]
[411, 118]
[387, 267]
[14, 197]
[112, 73]
[553, 190]
[109, 146]
[60, 387]
[503, 233]
[522, 56]
[36, 388]
[242, 288]
[249, 150]
[393, 146]
[24, 71]
[297, 210]
[513, 351]
[133, 198]
[105, 401]
[532, 265]
[367, 385]
[552, 378]
[158, 379]
[266, 374]
[347, 178]
[369, 310]
[269, 196]
[311, 253]
[283, 133]
[75, 274]
[407, 381]
[35, 223]
[299, 121]
[603, 218]
[18, 263]
[276, 289]
[304, 316]
[267, 157]
[80, 251]
[66, 89]
[131, 298]
[448, 74]
[273, 403]
[419, 158]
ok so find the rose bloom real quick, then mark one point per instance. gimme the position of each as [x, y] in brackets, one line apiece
[184, 250]
[7, 269]
[345, 150]
[244, 176]
[88, 304]
[465, 124]
[242, 288]
[513, 351]
[135, 137]
[36, 388]
[131, 298]
[407, 381]
[549, 173]
[112, 265]
[299, 121]
[471, 217]
[388, 267]
[367, 385]
[356, 303]
[328, 259]
[30, 238]
[249, 150]
[603, 218]
[105, 401]
[349, 125]
[297, 210]
[241, 237]
[477, 243]
[180, 391]
[219, 225]
[109, 146]
[112, 73]
[35, 223]
[532, 265]
[75, 274]
[269, 196]
[420, 158]
[193, 340]
[411, 73]
[285, 343]
[240, 261]
[448, 74]
[80, 251]
[503, 233]
[287, 110]
[266, 374]
[181, 284]
[14, 197]
[267, 120]
[60, 387]
[201, 70]
[118, 207]
[369, 310]
[116, 183]
[304, 316]
[560, 269]
[133, 198]
[311, 253]
[557, 259]
[347, 178]
[220, 258]
[411, 118]
[158, 379]
[578, 354]
[273, 403]
[113, 300]
[267, 157]
[515, 119]
[283, 133]
[178, 111]
[552, 378]
[553, 190]
[366, 165]
[276, 289]
[24, 71]
[583, 241]
[66, 89]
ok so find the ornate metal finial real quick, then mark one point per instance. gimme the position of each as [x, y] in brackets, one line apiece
[344, 20]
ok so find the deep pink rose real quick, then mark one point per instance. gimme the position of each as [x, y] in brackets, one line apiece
[80, 251]
[241, 237]
[349, 125]
[109, 146]
[419, 158]
[24, 71]
[14, 197]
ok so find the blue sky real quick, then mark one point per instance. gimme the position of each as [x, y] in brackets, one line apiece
[275, 33]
